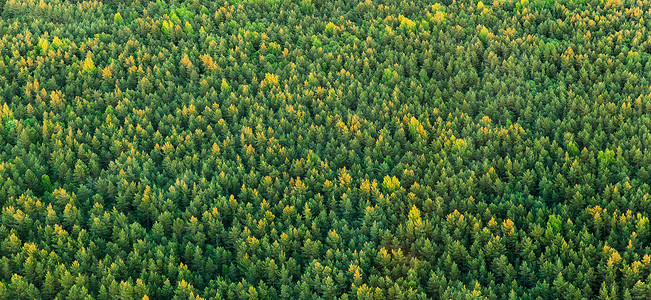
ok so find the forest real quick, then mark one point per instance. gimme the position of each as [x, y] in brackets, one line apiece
[322, 149]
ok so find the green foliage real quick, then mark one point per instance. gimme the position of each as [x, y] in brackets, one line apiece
[307, 7]
[88, 65]
[330, 28]
[606, 157]
[416, 130]
[325, 149]
[414, 214]
[554, 224]
[9, 125]
[188, 28]
[175, 19]
[483, 33]
[117, 19]
[273, 3]
[438, 14]
[572, 149]
[391, 184]
[225, 88]
[43, 46]
[633, 57]
[183, 14]
[520, 4]
[165, 28]
[390, 76]
[316, 42]
[543, 4]
[58, 43]
[46, 185]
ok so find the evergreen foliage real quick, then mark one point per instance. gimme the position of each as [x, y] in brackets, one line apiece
[304, 149]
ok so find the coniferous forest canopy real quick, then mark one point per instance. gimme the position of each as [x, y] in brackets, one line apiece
[304, 149]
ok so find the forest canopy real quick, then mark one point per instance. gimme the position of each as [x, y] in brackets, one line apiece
[313, 149]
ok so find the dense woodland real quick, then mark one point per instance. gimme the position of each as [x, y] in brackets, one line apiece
[304, 149]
